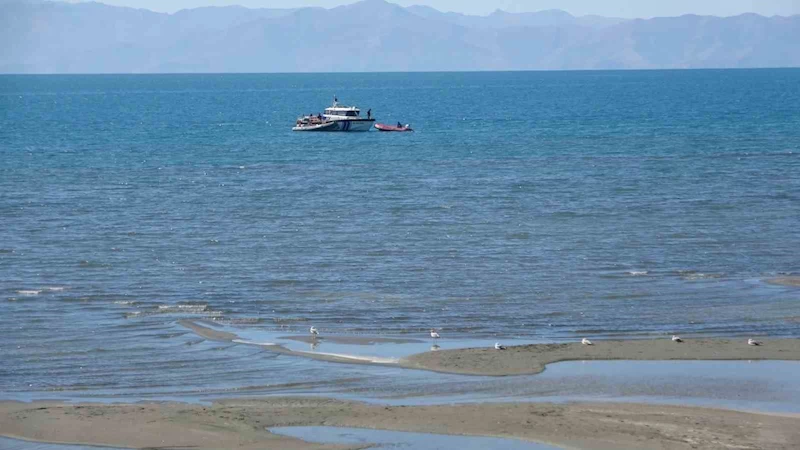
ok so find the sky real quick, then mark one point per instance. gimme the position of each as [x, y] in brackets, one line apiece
[609, 8]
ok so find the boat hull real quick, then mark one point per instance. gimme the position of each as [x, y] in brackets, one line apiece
[329, 126]
[358, 125]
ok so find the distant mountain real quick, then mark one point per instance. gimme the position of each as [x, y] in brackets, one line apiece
[374, 35]
[502, 19]
[223, 17]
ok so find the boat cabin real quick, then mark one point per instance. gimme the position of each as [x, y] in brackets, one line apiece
[336, 118]
[342, 112]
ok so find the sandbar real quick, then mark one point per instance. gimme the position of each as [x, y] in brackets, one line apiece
[785, 281]
[224, 336]
[207, 332]
[243, 423]
[532, 359]
[352, 340]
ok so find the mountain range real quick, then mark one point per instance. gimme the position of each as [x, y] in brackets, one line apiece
[374, 35]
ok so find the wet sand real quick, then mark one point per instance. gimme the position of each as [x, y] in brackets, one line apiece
[224, 336]
[207, 332]
[352, 340]
[532, 359]
[785, 281]
[242, 424]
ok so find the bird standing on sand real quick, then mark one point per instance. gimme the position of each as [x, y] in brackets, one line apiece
[676, 339]
[434, 334]
[497, 346]
[585, 341]
[753, 342]
[314, 332]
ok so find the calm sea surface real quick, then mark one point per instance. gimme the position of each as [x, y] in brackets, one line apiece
[526, 205]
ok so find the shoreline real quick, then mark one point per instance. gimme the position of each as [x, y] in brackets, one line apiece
[243, 423]
[352, 340]
[37, 441]
[533, 359]
[789, 281]
[224, 336]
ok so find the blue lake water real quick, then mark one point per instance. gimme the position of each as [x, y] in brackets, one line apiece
[400, 439]
[527, 206]
[14, 444]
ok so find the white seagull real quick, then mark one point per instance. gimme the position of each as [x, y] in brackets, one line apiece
[314, 332]
[676, 339]
[497, 346]
[434, 334]
[585, 341]
[753, 342]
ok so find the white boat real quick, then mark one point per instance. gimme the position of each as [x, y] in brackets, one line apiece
[336, 118]
[347, 118]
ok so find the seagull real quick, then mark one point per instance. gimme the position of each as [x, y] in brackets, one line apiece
[676, 339]
[585, 341]
[314, 332]
[753, 342]
[434, 334]
[497, 346]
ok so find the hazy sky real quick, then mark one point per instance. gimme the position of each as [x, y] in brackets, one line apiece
[616, 8]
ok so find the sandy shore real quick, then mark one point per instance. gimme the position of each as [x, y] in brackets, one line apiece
[352, 340]
[217, 335]
[242, 424]
[207, 331]
[532, 359]
[785, 281]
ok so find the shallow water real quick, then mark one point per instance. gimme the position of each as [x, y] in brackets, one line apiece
[527, 206]
[336, 435]
[399, 439]
[747, 385]
[15, 444]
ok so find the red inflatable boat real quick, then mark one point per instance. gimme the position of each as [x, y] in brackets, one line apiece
[398, 127]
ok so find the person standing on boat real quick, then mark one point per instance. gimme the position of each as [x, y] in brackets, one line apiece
[369, 113]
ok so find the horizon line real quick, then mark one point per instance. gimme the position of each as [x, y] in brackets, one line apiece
[688, 69]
